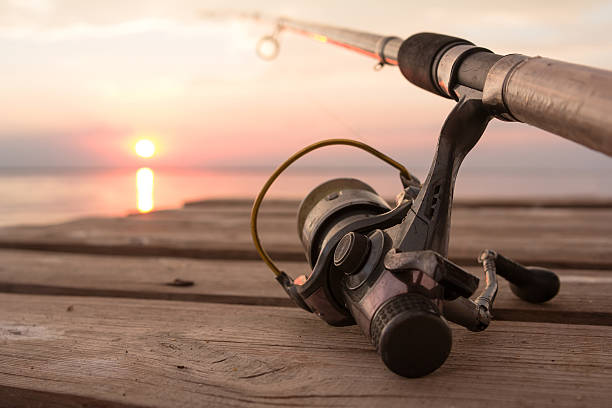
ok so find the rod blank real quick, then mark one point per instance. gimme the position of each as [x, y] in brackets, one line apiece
[358, 41]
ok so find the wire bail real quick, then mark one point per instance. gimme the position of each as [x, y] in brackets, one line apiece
[323, 143]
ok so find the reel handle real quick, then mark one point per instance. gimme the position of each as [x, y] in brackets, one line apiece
[532, 284]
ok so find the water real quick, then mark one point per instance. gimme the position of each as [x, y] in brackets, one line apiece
[42, 196]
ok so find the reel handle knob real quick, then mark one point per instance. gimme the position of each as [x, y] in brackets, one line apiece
[532, 284]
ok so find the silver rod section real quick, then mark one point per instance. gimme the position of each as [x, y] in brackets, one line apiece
[572, 101]
[373, 45]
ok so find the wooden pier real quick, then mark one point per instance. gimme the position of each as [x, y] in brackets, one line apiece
[174, 309]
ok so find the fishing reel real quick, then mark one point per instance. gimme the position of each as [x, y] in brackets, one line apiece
[385, 267]
[400, 299]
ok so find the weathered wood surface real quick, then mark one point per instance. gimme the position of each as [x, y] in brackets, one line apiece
[542, 202]
[584, 297]
[554, 237]
[122, 339]
[164, 353]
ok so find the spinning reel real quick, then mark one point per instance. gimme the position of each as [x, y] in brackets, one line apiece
[385, 267]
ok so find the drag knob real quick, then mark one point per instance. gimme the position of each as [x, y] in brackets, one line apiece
[351, 252]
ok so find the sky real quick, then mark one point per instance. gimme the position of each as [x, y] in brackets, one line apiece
[82, 81]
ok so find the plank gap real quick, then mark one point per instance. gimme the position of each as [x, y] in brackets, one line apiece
[502, 314]
[230, 255]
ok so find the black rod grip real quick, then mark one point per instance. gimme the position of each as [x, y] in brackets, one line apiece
[418, 56]
[534, 285]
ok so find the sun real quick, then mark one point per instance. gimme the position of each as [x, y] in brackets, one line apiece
[144, 148]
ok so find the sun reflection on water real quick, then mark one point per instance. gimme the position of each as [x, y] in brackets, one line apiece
[144, 188]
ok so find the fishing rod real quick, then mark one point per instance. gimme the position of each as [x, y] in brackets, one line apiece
[385, 267]
[569, 100]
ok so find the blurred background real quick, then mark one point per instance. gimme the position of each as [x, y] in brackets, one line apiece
[116, 107]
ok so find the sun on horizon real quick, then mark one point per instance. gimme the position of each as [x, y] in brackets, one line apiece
[144, 148]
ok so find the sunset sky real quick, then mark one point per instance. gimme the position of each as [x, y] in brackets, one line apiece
[82, 81]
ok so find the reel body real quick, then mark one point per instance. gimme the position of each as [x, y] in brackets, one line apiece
[386, 268]
[402, 301]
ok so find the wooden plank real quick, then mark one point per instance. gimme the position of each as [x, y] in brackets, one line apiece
[534, 202]
[162, 353]
[241, 204]
[584, 297]
[570, 238]
[569, 202]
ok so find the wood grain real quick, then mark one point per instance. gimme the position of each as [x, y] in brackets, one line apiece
[584, 297]
[120, 339]
[552, 237]
[70, 350]
[533, 202]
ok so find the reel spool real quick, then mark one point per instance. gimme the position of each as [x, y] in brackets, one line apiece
[332, 205]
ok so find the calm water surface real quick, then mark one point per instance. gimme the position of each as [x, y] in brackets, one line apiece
[38, 196]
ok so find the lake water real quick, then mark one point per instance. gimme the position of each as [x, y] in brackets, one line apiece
[39, 196]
